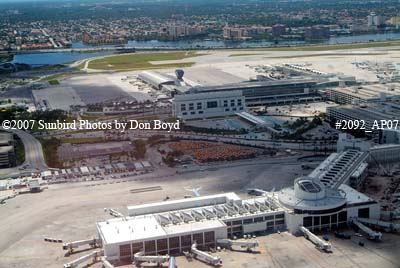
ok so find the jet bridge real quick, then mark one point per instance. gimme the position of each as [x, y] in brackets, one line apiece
[372, 235]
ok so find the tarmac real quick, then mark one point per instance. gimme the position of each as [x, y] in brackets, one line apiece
[69, 212]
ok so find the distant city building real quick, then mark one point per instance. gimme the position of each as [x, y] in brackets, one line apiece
[210, 104]
[316, 32]
[18, 41]
[232, 33]
[178, 30]
[375, 20]
[278, 30]
[395, 21]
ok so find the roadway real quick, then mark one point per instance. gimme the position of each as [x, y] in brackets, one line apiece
[34, 157]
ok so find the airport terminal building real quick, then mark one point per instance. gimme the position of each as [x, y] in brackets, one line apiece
[206, 105]
[321, 200]
[273, 92]
[171, 227]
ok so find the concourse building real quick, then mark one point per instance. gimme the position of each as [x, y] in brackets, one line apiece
[320, 201]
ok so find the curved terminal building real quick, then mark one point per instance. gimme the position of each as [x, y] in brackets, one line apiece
[311, 204]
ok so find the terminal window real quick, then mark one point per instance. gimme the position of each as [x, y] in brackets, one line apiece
[212, 104]
[183, 107]
[247, 221]
[343, 216]
[191, 106]
[363, 213]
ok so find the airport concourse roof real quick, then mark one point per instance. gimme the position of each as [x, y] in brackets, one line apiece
[332, 200]
[244, 85]
[193, 227]
[130, 229]
[145, 227]
[156, 77]
[178, 204]
[353, 196]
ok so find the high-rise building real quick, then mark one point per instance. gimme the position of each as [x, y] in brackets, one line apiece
[375, 20]
[232, 33]
[278, 30]
[316, 32]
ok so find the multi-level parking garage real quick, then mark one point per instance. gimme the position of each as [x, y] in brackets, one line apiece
[338, 168]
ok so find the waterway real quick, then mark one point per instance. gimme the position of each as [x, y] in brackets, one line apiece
[38, 59]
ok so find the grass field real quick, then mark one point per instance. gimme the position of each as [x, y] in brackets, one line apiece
[52, 77]
[19, 152]
[141, 61]
[54, 82]
[50, 147]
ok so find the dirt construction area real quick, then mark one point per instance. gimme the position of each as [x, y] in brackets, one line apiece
[69, 212]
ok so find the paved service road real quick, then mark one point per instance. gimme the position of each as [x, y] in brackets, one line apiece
[34, 158]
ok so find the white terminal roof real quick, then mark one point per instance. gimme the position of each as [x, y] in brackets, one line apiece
[182, 204]
[195, 226]
[182, 216]
[130, 229]
[156, 78]
[332, 199]
[144, 227]
[353, 196]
